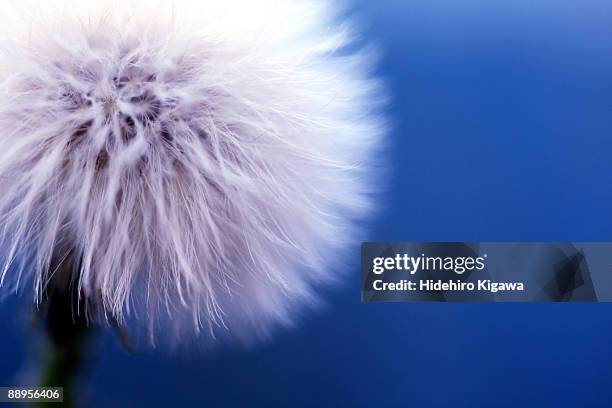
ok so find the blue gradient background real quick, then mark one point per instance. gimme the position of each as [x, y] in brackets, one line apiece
[502, 131]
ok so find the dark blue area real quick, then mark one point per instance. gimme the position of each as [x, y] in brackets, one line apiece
[502, 130]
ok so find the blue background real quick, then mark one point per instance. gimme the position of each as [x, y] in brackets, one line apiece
[502, 116]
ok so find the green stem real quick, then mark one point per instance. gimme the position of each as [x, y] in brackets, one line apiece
[67, 329]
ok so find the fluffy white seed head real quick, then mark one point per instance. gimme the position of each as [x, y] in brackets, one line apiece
[200, 159]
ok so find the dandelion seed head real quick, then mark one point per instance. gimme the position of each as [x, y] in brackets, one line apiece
[198, 163]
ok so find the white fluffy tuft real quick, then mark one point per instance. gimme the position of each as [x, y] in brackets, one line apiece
[202, 159]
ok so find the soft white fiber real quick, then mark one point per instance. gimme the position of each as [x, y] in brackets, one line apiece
[197, 161]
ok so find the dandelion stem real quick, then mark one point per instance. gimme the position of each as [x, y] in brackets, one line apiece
[66, 332]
